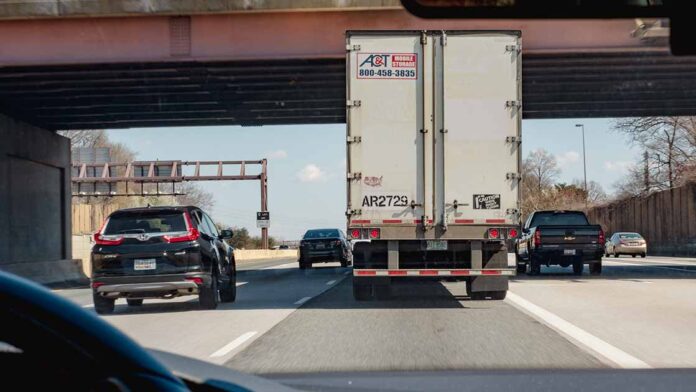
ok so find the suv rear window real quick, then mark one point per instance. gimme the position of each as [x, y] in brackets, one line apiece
[560, 218]
[145, 222]
[332, 233]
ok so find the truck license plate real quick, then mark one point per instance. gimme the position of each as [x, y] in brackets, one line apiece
[144, 264]
[436, 245]
[569, 252]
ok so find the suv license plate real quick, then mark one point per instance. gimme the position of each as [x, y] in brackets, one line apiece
[144, 264]
[436, 245]
[569, 252]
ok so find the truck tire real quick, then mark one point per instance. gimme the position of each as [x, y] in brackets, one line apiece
[135, 302]
[596, 268]
[362, 292]
[102, 305]
[534, 267]
[208, 296]
[578, 266]
[521, 268]
[498, 295]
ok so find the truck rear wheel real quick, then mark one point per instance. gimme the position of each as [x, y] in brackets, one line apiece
[521, 268]
[534, 268]
[361, 291]
[596, 268]
[578, 266]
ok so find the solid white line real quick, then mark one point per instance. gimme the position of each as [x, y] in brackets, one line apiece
[241, 283]
[599, 346]
[281, 266]
[330, 282]
[302, 300]
[232, 345]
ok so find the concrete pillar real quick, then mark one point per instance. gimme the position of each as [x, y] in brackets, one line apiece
[35, 203]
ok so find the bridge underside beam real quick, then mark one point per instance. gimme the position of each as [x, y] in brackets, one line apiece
[313, 91]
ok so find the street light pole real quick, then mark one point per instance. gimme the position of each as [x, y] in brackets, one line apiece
[584, 162]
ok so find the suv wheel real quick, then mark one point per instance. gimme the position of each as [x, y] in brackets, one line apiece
[208, 296]
[134, 302]
[102, 305]
[228, 293]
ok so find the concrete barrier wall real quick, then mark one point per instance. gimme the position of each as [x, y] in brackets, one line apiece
[666, 219]
[242, 255]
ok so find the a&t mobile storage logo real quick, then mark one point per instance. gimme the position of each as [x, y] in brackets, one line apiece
[376, 60]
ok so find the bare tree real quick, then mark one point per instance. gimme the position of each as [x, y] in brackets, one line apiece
[540, 170]
[194, 195]
[85, 138]
[670, 145]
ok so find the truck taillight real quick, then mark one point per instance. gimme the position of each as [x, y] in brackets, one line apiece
[600, 237]
[493, 233]
[192, 233]
[537, 238]
[374, 234]
[355, 233]
[512, 233]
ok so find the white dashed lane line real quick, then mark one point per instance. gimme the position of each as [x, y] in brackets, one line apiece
[302, 300]
[330, 282]
[241, 283]
[577, 335]
[226, 349]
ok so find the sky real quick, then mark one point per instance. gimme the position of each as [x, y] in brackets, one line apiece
[306, 165]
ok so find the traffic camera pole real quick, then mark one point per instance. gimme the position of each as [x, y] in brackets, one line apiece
[264, 202]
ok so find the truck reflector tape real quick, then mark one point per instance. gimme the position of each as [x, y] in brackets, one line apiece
[495, 220]
[360, 221]
[463, 221]
[432, 272]
[391, 221]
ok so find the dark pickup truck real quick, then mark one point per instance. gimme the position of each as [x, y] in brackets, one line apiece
[562, 238]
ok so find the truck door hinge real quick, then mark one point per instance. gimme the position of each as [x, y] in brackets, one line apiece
[413, 204]
[443, 41]
[513, 176]
[423, 130]
[512, 211]
[513, 48]
[350, 48]
[424, 38]
[354, 139]
[444, 131]
[354, 176]
[354, 103]
[513, 104]
[513, 139]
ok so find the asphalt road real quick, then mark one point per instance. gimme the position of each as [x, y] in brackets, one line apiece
[639, 313]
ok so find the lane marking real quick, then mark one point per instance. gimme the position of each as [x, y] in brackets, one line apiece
[582, 337]
[347, 273]
[331, 282]
[281, 266]
[302, 300]
[240, 283]
[88, 306]
[232, 345]
[675, 267]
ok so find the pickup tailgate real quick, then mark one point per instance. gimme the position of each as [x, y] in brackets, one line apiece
[569, 235]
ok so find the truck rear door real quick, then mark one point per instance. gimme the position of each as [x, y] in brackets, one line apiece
[478, 128]
[386, 165]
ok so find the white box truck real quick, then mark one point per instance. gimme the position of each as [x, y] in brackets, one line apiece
[433, 165]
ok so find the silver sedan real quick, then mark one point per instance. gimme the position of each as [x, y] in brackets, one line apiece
[626, 243]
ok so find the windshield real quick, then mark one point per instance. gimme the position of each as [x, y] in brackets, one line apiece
[145, 222]
[558, 219]
[366, 190]
[312, 234]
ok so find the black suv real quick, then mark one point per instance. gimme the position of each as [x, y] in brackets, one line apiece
[161, 252]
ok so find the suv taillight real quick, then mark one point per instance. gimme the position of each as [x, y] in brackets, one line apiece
[600, 237]
[537, 238]
[100, 239]
[192, 233]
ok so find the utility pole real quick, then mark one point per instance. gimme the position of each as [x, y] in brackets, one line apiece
[584, 162]
[264, 201]
[646, 172]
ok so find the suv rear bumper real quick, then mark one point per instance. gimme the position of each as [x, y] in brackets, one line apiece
[152, 286]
